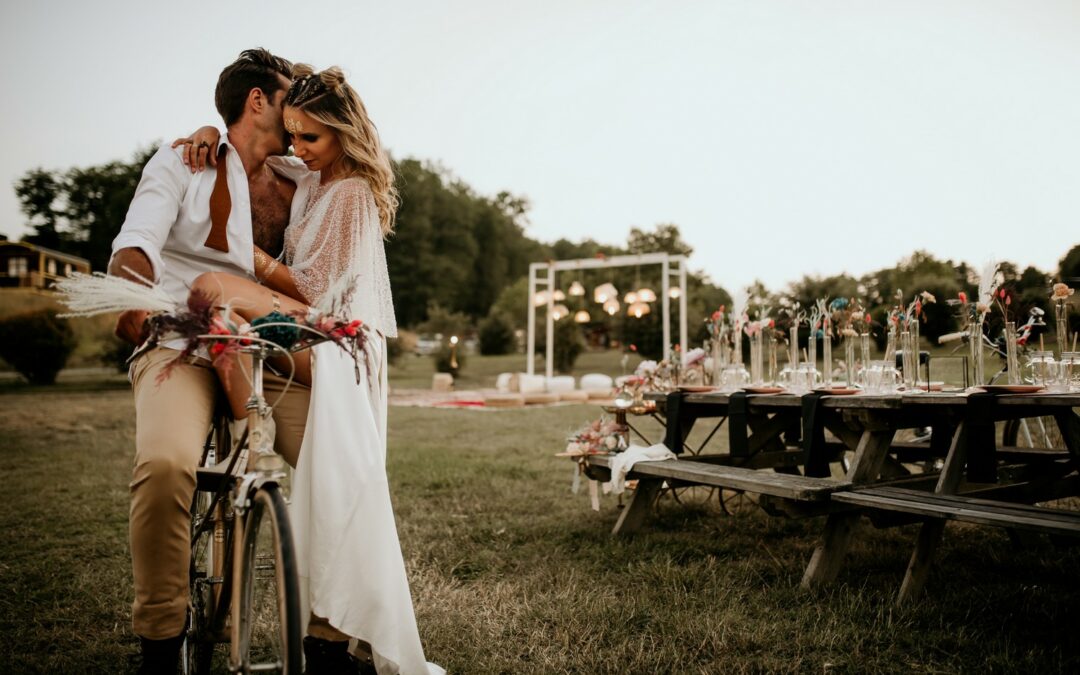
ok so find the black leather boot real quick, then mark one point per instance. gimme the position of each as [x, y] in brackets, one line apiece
[160, 657]
[324, 657]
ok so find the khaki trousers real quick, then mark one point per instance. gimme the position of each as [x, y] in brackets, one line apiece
[172, 419]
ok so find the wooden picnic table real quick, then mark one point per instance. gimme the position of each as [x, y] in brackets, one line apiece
[778, 449]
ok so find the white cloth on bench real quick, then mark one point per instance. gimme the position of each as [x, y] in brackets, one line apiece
[624, 461]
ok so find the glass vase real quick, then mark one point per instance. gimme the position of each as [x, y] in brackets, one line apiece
[849, 361]
[909, 359]
[811, 357]
[757, 346]
[719, 356]
[1012, 363]
[864, 356]
[826, 352]
[793, 348]
[1061, 317]
[770, 360]
[736, 345]
[915, 351]
[978, 371]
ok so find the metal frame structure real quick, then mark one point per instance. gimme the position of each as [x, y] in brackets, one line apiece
[666, 261]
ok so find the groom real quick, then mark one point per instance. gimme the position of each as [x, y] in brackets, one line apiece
[179, 225]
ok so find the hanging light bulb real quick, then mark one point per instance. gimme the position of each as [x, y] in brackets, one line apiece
[582, 317]
[605, 292]
[577, 289]
[540, 298]
[559, 311]
[611, 307]
[630, 298]
[559, 296]
[638, 310]
[674, 292]
[646, 294]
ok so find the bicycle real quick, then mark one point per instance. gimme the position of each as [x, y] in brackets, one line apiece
[243, 579]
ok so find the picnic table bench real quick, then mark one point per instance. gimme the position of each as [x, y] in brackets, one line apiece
[777, 452]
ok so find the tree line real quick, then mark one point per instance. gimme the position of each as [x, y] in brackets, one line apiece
[458, 253]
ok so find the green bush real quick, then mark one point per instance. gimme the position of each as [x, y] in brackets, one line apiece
[116, 352]
[569, 343]
[497, 335]
[37, 344]
[442, 360]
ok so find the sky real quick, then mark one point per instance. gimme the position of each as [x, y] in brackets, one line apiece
[784, 138]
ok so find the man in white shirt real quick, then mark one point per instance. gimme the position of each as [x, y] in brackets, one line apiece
[170, 236]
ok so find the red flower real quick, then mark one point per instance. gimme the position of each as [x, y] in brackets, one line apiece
[716, 315]
[1008, 300]
[633, 348]
[217, 348]
[868, 317]
[1001, 294]
[772, 323]
[963, 296]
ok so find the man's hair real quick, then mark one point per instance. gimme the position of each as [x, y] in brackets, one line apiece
[253, 69]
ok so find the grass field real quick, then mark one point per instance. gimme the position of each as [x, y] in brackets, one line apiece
[513, 574]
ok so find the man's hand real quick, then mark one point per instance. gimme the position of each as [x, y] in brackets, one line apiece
[131, 326]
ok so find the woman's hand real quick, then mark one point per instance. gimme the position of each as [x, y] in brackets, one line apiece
[200, 147]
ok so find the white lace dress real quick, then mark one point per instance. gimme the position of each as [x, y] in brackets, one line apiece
[350, 564]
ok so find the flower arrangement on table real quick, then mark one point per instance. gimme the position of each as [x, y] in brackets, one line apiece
[602, 436]
[849, 320]
[599, 437]
[693, 367]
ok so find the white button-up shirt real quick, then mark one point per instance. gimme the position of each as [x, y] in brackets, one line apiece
[169, 218]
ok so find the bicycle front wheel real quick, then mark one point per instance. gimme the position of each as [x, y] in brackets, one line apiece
[267, 630]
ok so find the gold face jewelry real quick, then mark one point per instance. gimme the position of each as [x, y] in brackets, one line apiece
[293, 126]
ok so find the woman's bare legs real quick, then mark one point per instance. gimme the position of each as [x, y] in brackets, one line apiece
[248, 300]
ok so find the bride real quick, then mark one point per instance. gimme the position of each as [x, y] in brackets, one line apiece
[352, 574]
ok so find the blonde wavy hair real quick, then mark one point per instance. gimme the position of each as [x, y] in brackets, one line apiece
[328, 98]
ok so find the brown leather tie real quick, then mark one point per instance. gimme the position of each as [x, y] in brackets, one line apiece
[220, 206]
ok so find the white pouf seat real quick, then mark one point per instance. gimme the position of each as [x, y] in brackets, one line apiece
[560, 383]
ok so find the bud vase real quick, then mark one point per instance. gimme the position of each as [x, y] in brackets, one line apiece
[909, 359]
[849, 360]
[915, 351]
[1061, 317]
[826, 352]
[757, 346]
[864, 354]
[975, 341]
[1012, 363]
[770, 361]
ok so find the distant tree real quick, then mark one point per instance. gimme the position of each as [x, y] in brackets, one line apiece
[913, 275]
[80, 210]
[1069, 267]
[38, 192]
[666, 238]
[446, 322]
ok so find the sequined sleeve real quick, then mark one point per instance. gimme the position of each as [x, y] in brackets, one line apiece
[327, 247]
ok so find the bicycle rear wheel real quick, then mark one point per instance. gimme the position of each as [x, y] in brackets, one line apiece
[267, 630]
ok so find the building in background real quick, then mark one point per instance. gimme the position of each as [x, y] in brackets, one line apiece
[24, 265]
